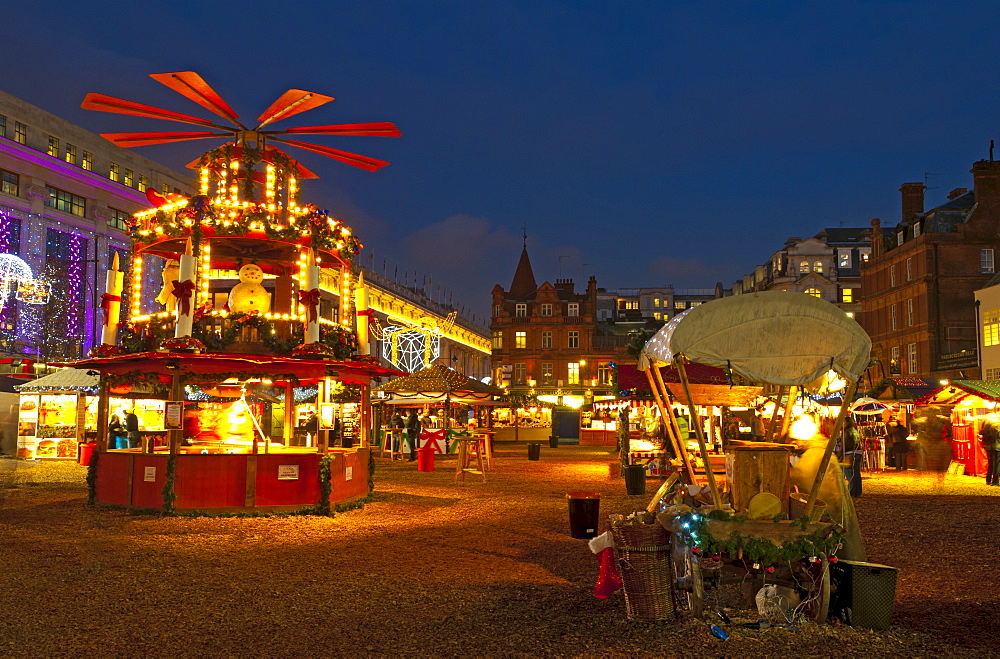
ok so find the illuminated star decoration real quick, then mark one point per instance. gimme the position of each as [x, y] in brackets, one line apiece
[190, 85]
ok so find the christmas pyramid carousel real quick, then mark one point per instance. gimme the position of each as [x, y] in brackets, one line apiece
[244, 268]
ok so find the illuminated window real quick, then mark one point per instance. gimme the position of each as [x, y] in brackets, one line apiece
[520, 374]
[818, 266]
[66, 202]
[20, 133]
[573, 373]
[911, 358]
[520, 339]
[847, 295]
[803, 267]
[9, 182]
[991, 334]
[850, 314]
[656, 301]
[573, 340]
[165, 188]
[892, 317]
[115, 172]
[986, 260]
[844, 258]
[657, 315]
[815, 292]
[680, 306]
[3, 126]
[53, 149]
[865, 254]
[70, 155]
[129, 178]
[521, 309]
[88, 161]
[118, 219]
[546, 372]
[546, 309]
[546, 339]
[894, 365]
[604, 373]
[573, 309]
[695, 303]
[143, 183]
[497, 340]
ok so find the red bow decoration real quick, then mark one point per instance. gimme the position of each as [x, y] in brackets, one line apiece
[182, 291]
[311, 300]
[106, 301]
[370, 315]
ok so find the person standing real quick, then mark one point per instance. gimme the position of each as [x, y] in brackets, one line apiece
[990, 436]
[132, 429]
[115, 432]
[757, 425]
[900, 447]
[412, 433]
[397, 424]
[853, 454]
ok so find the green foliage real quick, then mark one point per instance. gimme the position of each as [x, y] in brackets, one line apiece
[760, 550]
[637, 340]
[92, 479]
[169, 496]
[371, 471]
[323, 505]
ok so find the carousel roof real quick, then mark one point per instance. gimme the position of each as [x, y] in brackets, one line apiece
[69, 379]
[438, 381]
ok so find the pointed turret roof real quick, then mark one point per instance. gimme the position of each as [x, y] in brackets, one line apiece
[523, 284]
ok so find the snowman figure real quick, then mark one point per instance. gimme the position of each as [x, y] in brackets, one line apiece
[249, 295]
[171, 273]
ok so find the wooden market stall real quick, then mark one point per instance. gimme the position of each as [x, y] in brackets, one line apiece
[967, 404]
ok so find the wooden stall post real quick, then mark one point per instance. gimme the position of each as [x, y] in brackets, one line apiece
[771, 427]
[176, 394]
[288, 431]
[103, 403]
[679, 360]
[825, 462]
[670, 423]
[786, 419]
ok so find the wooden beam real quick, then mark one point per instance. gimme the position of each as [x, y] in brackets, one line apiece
[679, 359]
[825, 462]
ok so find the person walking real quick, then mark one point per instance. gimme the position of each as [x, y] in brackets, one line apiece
[900, 447]
[854, 454]
[989, 434]
[412, 433]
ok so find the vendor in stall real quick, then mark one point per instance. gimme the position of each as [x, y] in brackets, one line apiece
[132, 428]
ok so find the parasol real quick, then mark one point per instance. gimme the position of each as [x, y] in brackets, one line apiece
[866, 405]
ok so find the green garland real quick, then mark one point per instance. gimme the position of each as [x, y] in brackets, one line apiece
[371, 471]
[760, 550]
[92, 479]
[136, 379]
[169, 495]
[323, 505]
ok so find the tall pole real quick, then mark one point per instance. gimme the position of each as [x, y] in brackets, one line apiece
[673, 432]
[825, 462]
[679, 359]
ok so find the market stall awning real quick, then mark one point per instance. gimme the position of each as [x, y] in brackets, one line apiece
[956, 391]
[777, 337]
[66, 380]
[902, 389]
[439, 383]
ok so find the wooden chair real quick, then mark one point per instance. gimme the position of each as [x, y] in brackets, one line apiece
[469, 450]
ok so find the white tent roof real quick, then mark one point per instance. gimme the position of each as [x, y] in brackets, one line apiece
[777, 337]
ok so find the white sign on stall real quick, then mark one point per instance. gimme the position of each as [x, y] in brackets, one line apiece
[149, 475]
[288, 472]
[348, 473]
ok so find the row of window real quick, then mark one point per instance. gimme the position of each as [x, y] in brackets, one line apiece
[894, 317]
[520, 374]
[987, 265]
[910, 366]
[521, 340]
[61, 200]
[521, 309]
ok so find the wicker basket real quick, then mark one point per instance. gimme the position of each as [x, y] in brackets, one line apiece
[797, 507]
[643, 553]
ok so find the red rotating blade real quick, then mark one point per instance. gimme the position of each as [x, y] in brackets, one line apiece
[191, 85]
[105, 103]
[377, 128]
[353, 159]
[146, 139]
[291, 103]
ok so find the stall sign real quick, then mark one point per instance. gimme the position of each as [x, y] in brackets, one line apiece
[349, 473]
[288, 472]
[149, 475]
[173, 415]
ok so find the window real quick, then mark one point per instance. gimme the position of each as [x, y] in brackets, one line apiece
[520, 339]
[909, 312]
[573, 373]
[844, 258]
[818, 266]
[911, 358]
[849, 314]
[53, 149]
[628, 304]
[894, 366]
[986, 260]
[66, 202]
[695, 303]
[9, 182]
[892, 274]
[546, 339]
[573, 340]
[916, 229]
[909, 269]
[815, 292]
[803, 267]
[115, 172]
[20, 133]
[847, 295]
[520, 374]
[546, 309]
[865, 254]
[656, 301]
[165, 189]
[143, 183]
[497, 340]
[900, 237]
[657, 315]
[604, 373]
[892, 317]
[88, 161]
[70, 155]
[3, 126]
[497, 310]
[991, 335]
[129, 178]
[573, 309]
[521, 309]
[680, 306]
[546, 372]
[118, 219]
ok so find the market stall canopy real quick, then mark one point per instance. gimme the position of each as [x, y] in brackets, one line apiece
[902, 389]
[709, 385]
[66, 380]
[957, 391]
[777, 337]
[436, 383]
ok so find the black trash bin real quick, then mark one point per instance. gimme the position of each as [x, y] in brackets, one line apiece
[584, 512]
[635, 479]
[553, 441]
[534, 451]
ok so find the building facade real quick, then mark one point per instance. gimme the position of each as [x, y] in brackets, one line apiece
[66, 195]
[918, 289]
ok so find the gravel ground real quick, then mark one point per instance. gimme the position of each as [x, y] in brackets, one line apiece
[434, 568]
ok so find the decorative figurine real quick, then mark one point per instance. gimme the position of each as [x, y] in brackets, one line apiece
[249, 295]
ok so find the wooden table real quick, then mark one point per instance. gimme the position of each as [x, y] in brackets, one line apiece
[390, 437]
[469, 449]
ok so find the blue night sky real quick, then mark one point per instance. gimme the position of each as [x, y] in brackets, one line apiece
[646, 143]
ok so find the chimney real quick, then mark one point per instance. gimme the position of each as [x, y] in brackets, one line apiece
[878, 242]
[957, 192]
[986, 187]
[913, 200]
